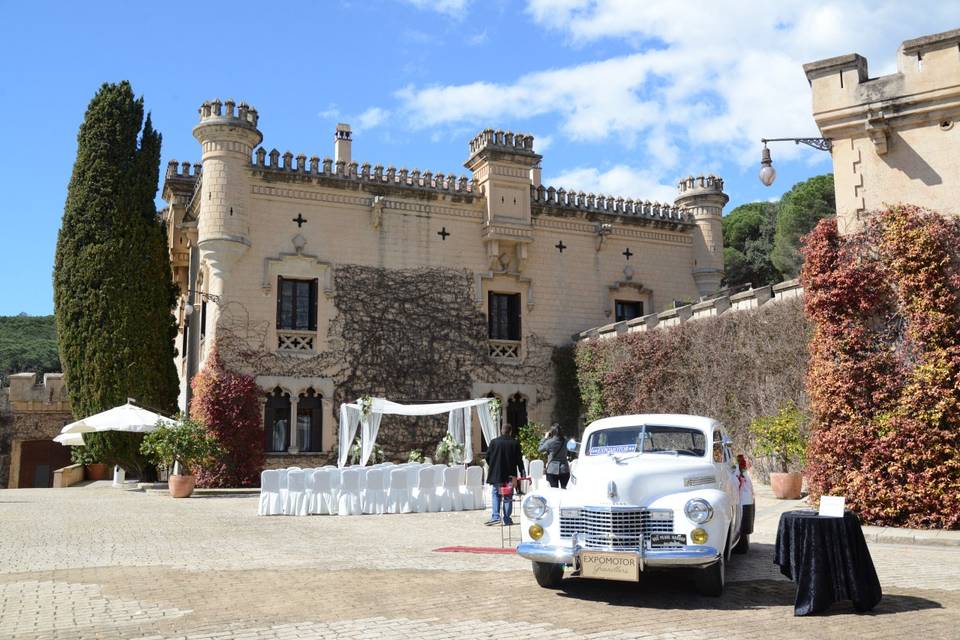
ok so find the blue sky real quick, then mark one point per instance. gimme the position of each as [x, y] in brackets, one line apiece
[623, 97]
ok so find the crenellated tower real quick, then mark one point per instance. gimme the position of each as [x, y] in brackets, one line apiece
[704, 199]
[227, 133]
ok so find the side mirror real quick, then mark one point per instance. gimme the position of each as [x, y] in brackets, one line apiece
[572, 445]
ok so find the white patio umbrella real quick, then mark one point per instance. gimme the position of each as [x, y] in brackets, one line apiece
[126, 417]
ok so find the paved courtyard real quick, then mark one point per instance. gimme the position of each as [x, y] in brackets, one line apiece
[102, 563]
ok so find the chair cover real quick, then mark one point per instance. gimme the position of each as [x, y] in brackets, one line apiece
[332, 496]
[424, 494]
[449, 492]
[321, 489]
[282, 474]
[349, 503]
[293, 505]
[398, 495]
[473, 493]
[270, 503]
[309, 493]
[413, 475]
[374, 497]
[536, 472]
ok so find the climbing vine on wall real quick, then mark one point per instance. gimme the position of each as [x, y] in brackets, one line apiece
[884, 379]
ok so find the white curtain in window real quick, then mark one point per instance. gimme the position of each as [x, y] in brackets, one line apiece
[488, 424]
[349, 419]
[369, 426]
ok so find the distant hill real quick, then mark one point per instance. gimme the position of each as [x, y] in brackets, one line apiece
[28, 343]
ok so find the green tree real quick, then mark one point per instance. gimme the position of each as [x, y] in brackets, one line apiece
[748, 233]
[113, 291]
[801, 209]
[28, 343]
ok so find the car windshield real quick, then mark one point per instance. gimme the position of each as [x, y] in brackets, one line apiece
[649, 438]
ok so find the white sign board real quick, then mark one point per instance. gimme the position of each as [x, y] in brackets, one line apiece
[832, 506]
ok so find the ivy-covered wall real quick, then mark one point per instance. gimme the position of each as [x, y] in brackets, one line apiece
[734, 367]
[412, 335]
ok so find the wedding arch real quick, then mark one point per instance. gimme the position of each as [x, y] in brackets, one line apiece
[367, 413]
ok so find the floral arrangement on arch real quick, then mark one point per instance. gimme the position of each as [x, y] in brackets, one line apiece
[449, 450]
[366, 406]
[356, 451]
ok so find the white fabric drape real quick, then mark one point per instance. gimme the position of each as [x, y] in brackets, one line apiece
[488, 424]
[369, 427]
[349, 420]
[455, 426]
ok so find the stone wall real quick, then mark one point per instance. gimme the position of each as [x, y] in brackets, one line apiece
[38, 411]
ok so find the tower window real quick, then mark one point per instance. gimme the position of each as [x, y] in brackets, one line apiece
[296, 304]
[504, 316]
[628, 310]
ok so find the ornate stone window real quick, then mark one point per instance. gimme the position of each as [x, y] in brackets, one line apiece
[296, 314]
[310, 421]
[517, 412]
[504, 324]
[276, 421]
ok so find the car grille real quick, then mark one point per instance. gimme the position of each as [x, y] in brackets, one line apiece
[614, 527]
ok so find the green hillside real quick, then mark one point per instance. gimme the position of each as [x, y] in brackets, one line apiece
[28, 343]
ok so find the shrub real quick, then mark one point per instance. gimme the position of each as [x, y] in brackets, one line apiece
[530, 436]
[185, 446]
[884, 378]
[120, 448]
[781, 437]
[228, 405]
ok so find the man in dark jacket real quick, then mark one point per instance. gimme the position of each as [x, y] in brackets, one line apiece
[504, 462]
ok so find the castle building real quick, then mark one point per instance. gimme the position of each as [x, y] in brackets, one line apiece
[328, 279]
[896, 138]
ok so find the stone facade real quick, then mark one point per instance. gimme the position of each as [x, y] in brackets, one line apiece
[403, 265]
[37, 413]
[896, 138]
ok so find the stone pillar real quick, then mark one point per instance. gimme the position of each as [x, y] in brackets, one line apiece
[294, 435]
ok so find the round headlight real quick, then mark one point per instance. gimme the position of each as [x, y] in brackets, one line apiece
[534, 507]
[699, 536]
[536, 531]
[698, 511]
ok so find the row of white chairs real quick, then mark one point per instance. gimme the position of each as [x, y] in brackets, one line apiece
[407, 488]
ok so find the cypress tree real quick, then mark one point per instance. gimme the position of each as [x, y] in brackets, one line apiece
[113, 290]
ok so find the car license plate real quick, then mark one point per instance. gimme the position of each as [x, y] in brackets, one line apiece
[667, 539]
[605, 565]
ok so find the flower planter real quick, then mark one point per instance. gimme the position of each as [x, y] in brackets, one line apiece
[786, 486]
[98, 471]
[181, 486]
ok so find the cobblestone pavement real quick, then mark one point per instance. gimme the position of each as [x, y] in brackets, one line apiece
[83, 563]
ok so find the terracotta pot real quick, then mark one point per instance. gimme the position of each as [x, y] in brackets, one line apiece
[786, 486]
[98, 471]
[181, 486]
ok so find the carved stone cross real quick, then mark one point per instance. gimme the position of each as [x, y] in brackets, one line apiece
[443, 233]
[299, 220]
[560, 246]
[628, 253]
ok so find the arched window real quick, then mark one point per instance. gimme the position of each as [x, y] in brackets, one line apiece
[276, 421]
[517, 412]
[310, 421]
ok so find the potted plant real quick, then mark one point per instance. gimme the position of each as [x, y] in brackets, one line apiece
[91, 458]
[183, 446]
[781, 439]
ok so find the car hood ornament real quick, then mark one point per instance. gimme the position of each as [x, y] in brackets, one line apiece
[612, 490]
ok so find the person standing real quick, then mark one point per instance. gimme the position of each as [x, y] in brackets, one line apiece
[505, 463]
[558, 465]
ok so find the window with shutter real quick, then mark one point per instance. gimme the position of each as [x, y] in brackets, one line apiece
[296, 304]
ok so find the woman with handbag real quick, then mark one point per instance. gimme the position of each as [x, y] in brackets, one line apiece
[558, 466]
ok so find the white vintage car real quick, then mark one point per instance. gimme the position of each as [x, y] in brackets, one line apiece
[646, 491]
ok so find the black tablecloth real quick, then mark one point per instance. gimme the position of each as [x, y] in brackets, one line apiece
[828, 559]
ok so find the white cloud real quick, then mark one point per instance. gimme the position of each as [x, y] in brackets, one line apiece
[620, 180]
[330, 113]
[478, 39]
[709, 78]
[371, 118]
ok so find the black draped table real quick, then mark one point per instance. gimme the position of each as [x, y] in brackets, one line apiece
[828, 559]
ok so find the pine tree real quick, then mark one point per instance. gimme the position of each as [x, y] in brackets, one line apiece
[113, 291]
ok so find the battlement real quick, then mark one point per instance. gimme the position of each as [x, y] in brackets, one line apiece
[578, 201]
[276, 164]
[502, 141]
[239, 114]
[26, 394]
[183, 170]
[926, 65]
[700, 184]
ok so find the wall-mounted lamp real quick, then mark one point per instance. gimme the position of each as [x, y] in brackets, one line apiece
[188, 308]
[767, 173]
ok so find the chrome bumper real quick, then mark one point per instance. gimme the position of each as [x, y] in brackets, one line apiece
[689, 556]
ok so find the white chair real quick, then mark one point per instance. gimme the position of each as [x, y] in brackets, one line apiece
[413, 475]
[438, 470]
[321, 492]
[472, 492]
[282, 474]
[374, 497]
[349, 503]
[335, 476]
[398, 495]
[423, 497]
[309, 493]
[448, 493]
[536, 472]
[270, 503]
[573, 466]
[296, 490]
